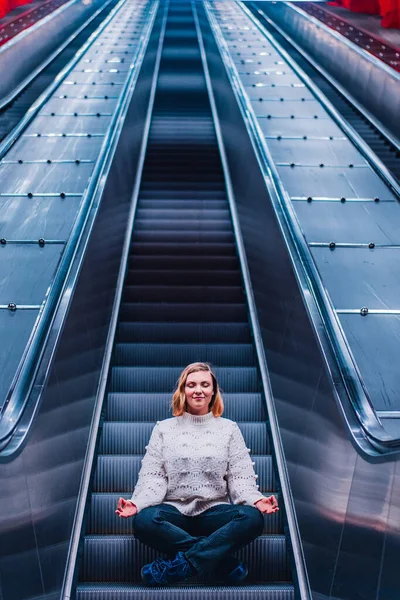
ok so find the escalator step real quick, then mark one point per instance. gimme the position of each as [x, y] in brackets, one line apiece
[131, 438]
[178, 276]
[183, 293]
[162, 379]
[153, 407]
[193, 194]
[203, 185]
[183, 226]
[231, 333]
[192, 237]
[112, 591]
[184, 263]
[182, 354]
[161, 203]
[102, 519]
[120, 558]
[178, 312]
[176, 247]
[119, 473]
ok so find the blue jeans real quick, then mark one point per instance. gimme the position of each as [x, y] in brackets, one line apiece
[206, 539]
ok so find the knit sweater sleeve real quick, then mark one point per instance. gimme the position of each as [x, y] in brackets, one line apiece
[151, 486]
[241, 478]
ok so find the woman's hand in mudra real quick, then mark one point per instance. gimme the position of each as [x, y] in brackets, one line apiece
[267, 505]
[126, 508]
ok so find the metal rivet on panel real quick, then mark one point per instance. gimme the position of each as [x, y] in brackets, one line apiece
[41, 242]
[304, 137]
[12, 306]
[315, 116]
[49, 161]
[3, 241]
[292, 165]
[98, 115]
[309, 199]
[53, 114]
[30, 195]
[371, 245]
[343, 199]
[351, 165]
[62, 195]
[292, 116]
[321, 165]
[364, 311]
[20, 161]
[279, 137]
[332, 245]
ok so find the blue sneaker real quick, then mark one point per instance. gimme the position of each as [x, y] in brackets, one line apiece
[232, 571]
[163, 572]
[238, 574]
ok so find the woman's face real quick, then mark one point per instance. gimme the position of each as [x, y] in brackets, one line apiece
[198, 391]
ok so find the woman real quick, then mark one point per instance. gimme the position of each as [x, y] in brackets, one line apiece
[196, 498]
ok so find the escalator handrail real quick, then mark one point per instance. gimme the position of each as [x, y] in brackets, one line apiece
[294, 532]
[316, 298]
[62, 285]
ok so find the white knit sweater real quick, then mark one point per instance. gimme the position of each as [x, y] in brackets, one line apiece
[194, 463]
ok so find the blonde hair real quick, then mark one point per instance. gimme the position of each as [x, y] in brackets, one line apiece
[179, 399]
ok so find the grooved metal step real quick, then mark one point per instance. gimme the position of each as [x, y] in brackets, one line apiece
[131, 438]
[102, 519]
[130, 407]
[161, 379]
[179, 312]
[119, 473]
[114, 558]
[177, 277]
[184, 332]
[272, 591]
[182, 354]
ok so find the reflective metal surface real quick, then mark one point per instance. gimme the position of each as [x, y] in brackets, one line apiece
[39, 487]
[44, 37]
[345, 501]
[367, 79]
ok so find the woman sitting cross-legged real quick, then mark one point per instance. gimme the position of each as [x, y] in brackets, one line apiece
[196, 499]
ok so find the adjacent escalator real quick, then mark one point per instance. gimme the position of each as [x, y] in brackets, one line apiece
[12, 113]
[183, 301]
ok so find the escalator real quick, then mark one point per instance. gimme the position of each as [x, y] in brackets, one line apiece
[183, 301]
[12, 113]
